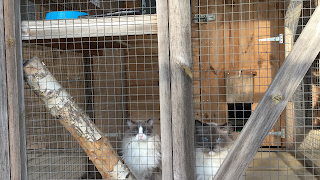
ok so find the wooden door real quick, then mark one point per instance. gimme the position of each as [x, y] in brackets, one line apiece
[230, 45]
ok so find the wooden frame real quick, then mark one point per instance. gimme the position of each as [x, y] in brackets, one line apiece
[291, 23]
[94, 27]
[15, 90]
[181, 89]
[164, 89]
[4, 139]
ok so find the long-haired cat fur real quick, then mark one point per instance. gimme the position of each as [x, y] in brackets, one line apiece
[141, 149]
[213, 142]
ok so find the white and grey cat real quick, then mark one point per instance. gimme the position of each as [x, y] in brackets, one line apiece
[213, 142]
[141, 148]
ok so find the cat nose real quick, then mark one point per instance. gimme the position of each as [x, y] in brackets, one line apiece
[140, 135]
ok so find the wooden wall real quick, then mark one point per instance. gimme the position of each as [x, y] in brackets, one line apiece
[230, 44]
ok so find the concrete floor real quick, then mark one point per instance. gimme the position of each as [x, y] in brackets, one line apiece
[276, 166]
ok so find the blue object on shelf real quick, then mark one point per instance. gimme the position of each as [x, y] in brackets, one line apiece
[64, 15]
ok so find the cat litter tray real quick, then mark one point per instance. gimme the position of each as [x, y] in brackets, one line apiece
[64, 15]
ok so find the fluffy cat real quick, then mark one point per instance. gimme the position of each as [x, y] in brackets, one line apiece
[141, 148]
[212, 144]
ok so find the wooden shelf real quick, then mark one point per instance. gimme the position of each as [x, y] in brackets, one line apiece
[95, 27]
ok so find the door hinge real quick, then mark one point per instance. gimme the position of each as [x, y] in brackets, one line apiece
[204, 17]
[278, 38]
[281, 133]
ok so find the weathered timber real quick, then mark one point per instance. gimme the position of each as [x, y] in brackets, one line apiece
[164, 89]
[94, 27]
[15, 90]
[181, 90]
[4, 133]
[291, 23]
[273, 102]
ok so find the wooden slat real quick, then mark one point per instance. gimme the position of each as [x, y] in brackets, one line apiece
[15, 90]
[273, 102]
[291, 23]
[164, 89]
[95, 27]
[181, 90]
[212, 57]
[4, 133]
[107, 97]
[196, 61]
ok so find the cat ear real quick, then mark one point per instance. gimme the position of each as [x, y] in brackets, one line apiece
[198, 123]
[150, 122]
[129, 122]
[227, 127]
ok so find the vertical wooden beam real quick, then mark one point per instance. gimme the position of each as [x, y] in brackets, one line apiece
[122, 54]
[181, 89]
[273, 101]
[15, 89]
[4, 139]
[164, 89]
[291, 23]
[89, 108]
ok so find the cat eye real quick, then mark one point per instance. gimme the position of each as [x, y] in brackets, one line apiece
[144, 131]
[135, 131]
[205, 139]
[218, 139]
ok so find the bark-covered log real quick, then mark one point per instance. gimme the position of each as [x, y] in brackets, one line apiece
[62, 106]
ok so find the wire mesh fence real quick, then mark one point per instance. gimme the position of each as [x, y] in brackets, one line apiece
[107, 60]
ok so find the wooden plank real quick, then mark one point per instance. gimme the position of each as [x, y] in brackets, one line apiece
[15, 90]
[107, 97]
[291, 23]
[196, 65]
[4, 133]
[181, 90]
[94, 27]
[164, 89]
[212, 57]
[273, 102]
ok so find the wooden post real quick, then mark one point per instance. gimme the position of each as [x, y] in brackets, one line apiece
[89, 108]
[4, 138]
[181, 89]
[15, 90]
[291, 23]
[273, 101]
[61, 105]
[164, 89]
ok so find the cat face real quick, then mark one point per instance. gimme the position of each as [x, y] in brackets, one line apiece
[140, 130]
[213, 137]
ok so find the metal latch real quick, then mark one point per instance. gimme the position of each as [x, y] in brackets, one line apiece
[278, 38]
[281, 133]
[204, 17]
